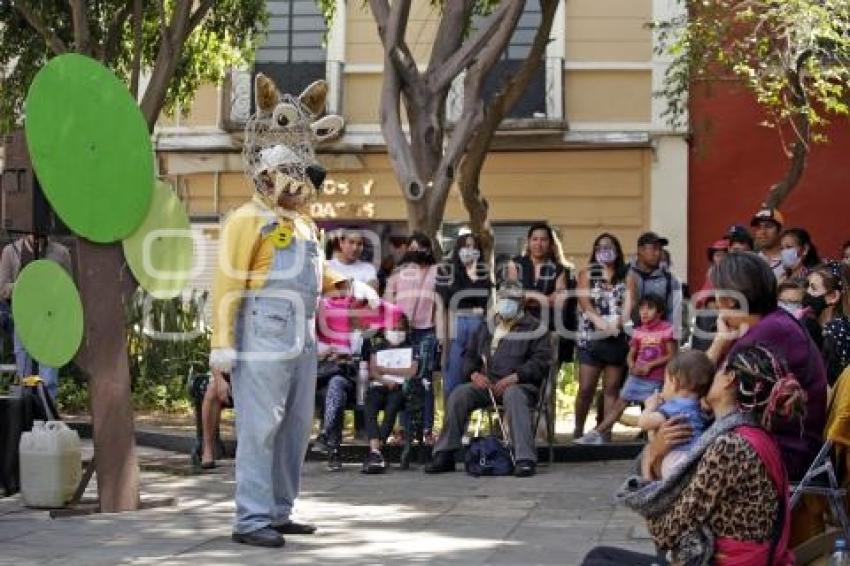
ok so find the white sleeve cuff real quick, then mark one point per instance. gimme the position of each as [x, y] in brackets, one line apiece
[222, 359]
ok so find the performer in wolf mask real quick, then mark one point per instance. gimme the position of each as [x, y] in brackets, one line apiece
[269, 277]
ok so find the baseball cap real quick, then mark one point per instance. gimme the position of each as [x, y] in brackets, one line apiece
[652, 238]
[719, 245]
[771, 214]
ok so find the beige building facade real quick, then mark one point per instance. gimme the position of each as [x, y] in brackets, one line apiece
[588, 152]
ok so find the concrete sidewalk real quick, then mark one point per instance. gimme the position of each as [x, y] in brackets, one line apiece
[398, 518]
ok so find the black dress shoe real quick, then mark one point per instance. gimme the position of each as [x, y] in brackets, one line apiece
[266, 536]
[525, 469]
[293, 528]
[443, 462]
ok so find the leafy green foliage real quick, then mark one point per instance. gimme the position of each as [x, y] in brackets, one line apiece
[226, 37]
[793, 55]
[166, 340]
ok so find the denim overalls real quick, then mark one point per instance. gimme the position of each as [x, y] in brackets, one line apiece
[274, 383]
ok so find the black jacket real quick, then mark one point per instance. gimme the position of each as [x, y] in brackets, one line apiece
[531, 359]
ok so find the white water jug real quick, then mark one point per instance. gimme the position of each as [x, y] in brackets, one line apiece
[51, 464]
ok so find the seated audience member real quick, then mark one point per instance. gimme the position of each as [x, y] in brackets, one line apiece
[385, 389]
[845, 252]
[509, 357]
[651, 347]
[750, 316]
[687, 379]
[728, 502]
[338, 321]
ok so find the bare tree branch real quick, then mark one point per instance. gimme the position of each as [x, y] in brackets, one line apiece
[398, 145]
[442, 77]
[167, 58]
[450, 33]
[199, 14]
[136, 68]
[381, 13]
[476, 150]
[802, 129]
[54, 41]
[80, 19]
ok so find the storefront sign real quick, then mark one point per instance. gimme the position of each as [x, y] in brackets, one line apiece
[341, 207]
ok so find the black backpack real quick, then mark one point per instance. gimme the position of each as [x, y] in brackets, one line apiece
[488, 456]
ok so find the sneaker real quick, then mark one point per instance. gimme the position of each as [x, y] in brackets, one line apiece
[374, 464]
[592, 438]
[334, 460]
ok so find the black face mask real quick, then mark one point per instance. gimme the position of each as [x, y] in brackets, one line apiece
[816, 303]
[418, 257]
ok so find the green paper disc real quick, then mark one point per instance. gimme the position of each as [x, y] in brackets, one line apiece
[160, 252]
[48, 313]
[90, 148]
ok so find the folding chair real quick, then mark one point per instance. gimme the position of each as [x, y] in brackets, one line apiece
[821, 478]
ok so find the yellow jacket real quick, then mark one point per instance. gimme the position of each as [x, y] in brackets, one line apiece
[244, 258]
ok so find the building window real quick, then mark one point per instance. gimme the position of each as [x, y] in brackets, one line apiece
[533, 102]
[293, 54]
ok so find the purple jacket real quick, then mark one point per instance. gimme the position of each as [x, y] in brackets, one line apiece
[780, 332]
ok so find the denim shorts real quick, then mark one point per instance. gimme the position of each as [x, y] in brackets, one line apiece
[639, 388]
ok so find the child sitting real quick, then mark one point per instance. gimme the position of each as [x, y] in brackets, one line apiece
[687, 380]
[652, 345]
[385, 391]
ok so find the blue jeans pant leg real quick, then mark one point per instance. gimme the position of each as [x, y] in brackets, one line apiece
[50, 376]
[465, 327]
[23, 361]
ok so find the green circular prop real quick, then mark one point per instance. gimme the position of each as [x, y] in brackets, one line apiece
[48, 313]
[160, 252]
[90, 148]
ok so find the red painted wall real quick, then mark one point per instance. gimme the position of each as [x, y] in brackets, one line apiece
[733, 162]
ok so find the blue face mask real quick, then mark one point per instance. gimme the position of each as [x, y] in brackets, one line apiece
[508, 309]
[790, 257]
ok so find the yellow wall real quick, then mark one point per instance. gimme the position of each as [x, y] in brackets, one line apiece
[363, 46]
[203, 111]
[582, 192]
[608, 30]
[608, 96]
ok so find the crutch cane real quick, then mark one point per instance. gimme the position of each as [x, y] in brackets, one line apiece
[505, 437]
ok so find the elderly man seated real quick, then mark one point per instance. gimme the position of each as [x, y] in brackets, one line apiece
[510, 357]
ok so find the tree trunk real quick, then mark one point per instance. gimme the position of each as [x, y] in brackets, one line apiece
[104, 283]
[802, 130]
[780, 191]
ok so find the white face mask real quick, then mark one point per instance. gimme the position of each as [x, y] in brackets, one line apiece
[395, 337]
[468, 255]
[508, 309]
